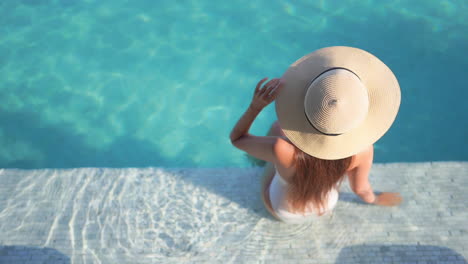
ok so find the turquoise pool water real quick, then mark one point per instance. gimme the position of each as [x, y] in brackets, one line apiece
[161, 83]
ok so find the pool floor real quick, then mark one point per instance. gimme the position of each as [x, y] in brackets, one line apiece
[155, 215]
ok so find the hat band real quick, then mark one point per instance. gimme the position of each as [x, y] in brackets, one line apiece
[310, 83]
[323, 133]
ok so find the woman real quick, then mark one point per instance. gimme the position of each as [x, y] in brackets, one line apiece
[332, 105]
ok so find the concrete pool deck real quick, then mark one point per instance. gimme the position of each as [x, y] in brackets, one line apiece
[154, 215]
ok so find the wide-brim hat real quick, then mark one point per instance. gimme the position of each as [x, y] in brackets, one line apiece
[337, 101]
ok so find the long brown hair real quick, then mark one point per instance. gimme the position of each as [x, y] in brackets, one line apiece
[313, 179]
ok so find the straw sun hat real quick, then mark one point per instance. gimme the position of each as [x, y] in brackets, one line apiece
[337, 101]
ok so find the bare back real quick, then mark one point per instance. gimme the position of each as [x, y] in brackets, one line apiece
[358, 170]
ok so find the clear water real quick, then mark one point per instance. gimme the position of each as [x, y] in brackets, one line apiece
[161, 83]
[154, 215]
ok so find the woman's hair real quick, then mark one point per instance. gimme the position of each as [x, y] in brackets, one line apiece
[313, 179]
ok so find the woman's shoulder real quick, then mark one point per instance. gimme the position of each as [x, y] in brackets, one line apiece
[364, 157]
[284, 152]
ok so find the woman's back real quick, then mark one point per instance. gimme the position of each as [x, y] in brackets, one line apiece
[285, 152]
[284, 209]
[285, 178]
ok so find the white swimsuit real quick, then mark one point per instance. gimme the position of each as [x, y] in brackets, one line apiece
[279, 203]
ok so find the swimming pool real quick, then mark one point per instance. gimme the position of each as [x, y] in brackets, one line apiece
[119, 84]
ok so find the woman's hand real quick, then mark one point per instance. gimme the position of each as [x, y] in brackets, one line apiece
[263, 96]
[388, 199]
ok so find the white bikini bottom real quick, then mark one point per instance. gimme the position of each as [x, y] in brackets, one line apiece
[278, 188]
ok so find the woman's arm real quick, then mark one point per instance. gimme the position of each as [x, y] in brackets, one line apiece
[259, 147]
[359, 182]
[359, 176]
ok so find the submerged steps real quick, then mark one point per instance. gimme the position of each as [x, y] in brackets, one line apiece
[157, 215]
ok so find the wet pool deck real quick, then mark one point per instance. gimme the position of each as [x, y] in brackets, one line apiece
[153, 215]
